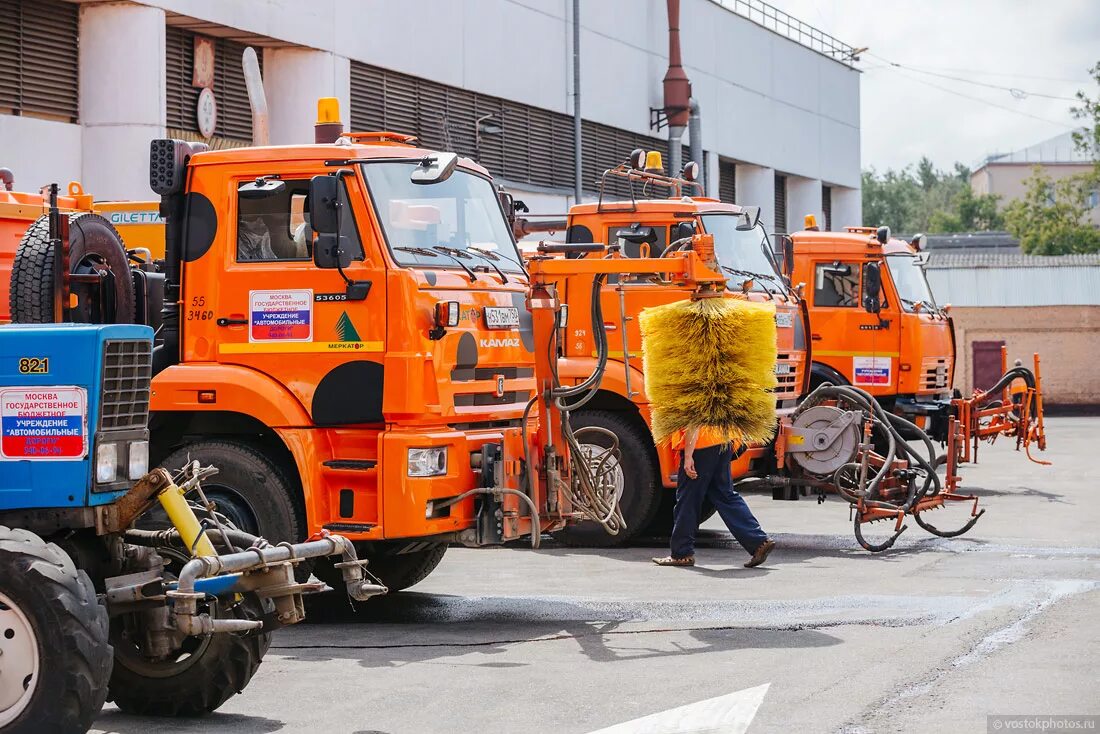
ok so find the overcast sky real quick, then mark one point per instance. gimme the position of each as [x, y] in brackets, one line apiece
[1037, 46]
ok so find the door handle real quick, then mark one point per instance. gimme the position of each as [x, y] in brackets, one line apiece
[232, 322]
[815, 337]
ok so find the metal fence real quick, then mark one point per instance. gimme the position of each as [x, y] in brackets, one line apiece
[774, 19]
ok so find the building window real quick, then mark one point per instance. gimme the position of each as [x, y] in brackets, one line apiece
[39, 72]
[727, 181]
[234, 114]
[780, 204]
[827, 207]
[1094, 198]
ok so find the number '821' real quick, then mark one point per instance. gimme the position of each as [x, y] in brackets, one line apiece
[34, 365]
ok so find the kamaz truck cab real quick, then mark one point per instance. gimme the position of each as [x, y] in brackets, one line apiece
[344, 333]
[657, 227]
[874, 322]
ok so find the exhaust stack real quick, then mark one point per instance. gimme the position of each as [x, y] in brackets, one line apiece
[677, 90]
[257, 100]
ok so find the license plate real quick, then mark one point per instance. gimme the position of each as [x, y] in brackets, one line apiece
[501, 317]
[784, 369]
[784, 320]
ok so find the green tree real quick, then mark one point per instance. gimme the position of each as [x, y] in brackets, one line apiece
[1052, 216]
[927, 200]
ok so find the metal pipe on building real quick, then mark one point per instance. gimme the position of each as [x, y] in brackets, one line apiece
[257, 100]
[677, 91]
[695, 132]
[578, 182]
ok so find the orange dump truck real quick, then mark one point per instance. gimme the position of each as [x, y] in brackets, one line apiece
[344, 334]
[137, 222]
[652, 227]
[874, 323]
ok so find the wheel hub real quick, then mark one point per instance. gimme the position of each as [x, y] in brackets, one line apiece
[610, 480]
[18, 661]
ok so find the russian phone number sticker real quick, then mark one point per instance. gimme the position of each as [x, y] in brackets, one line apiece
[43, 423]
[871, 370]
[280, 316]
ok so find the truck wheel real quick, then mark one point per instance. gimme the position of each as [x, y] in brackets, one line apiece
[250, 489]
[94, 246]
[198, 678]
[55, 658]
[641, 491]
[397, 570]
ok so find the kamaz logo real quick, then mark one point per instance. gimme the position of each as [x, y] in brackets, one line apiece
[489, 343]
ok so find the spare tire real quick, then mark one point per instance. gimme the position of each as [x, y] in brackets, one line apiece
[94, 246]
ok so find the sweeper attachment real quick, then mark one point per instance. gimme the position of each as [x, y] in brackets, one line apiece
[840, 439]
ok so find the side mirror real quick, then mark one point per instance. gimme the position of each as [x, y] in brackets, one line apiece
[261, 188]
[324, 203]
[682, 229]
[750, 217]
[434, 168]
[872, 286]
[788, 256]
[329, 252]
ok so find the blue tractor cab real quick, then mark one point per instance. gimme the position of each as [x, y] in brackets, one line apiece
[74, 407]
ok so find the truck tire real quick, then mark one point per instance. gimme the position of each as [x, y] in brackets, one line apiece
[45, 598]
[642, 492]
[94, 244]
[205, 673]
[250, 489]
[396, 570]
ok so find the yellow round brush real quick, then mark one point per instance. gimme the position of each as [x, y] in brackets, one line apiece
[710, 362]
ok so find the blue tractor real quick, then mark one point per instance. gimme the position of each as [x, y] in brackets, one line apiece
[169, 618]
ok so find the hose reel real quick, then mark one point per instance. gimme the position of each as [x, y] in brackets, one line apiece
[823, 438]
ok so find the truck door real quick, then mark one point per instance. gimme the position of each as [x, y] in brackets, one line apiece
[861, 346]
[276, 312]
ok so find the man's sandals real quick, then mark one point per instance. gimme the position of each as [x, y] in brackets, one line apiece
[674, 561]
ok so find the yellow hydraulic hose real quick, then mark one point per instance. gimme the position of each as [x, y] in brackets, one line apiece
[184, 520]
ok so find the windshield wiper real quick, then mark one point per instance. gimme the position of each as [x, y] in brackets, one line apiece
[496, 256]
[456, 254]
[751, 276]
[489, 258]
[418, 251]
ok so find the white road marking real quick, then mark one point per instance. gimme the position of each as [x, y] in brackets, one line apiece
[728, 714]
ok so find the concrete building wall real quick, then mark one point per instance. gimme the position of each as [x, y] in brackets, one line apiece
[1066, 338]
[766, 100]
[1007, 180]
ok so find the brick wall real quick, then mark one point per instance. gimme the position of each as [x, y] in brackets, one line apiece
[1067, 339]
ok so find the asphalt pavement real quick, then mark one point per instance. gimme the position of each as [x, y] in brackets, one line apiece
[933, 635]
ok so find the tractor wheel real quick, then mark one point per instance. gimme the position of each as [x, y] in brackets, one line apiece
[197, 678]
[397, 564]
[55, 658]
[94, 246]
[641, 492]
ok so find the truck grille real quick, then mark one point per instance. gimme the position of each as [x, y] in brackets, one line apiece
[127, 372]
[788, 376]
[934, 373]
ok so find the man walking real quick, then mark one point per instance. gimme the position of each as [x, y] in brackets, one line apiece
[705, 474]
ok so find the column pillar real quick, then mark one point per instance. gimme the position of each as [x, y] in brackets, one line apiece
[803, 197]
[848, 208]
[756, 187]
[294, 78]
[122, 96]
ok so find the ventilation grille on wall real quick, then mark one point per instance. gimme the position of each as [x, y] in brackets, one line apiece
[39, 42]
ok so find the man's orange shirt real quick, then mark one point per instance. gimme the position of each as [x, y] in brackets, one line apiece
[707, 437]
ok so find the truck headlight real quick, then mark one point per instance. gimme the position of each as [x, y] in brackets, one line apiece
[430, 462]
[106, 463]
[139, 459]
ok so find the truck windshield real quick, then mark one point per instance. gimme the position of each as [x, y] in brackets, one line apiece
[909, 279]
[449, 224]
[742, 254]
